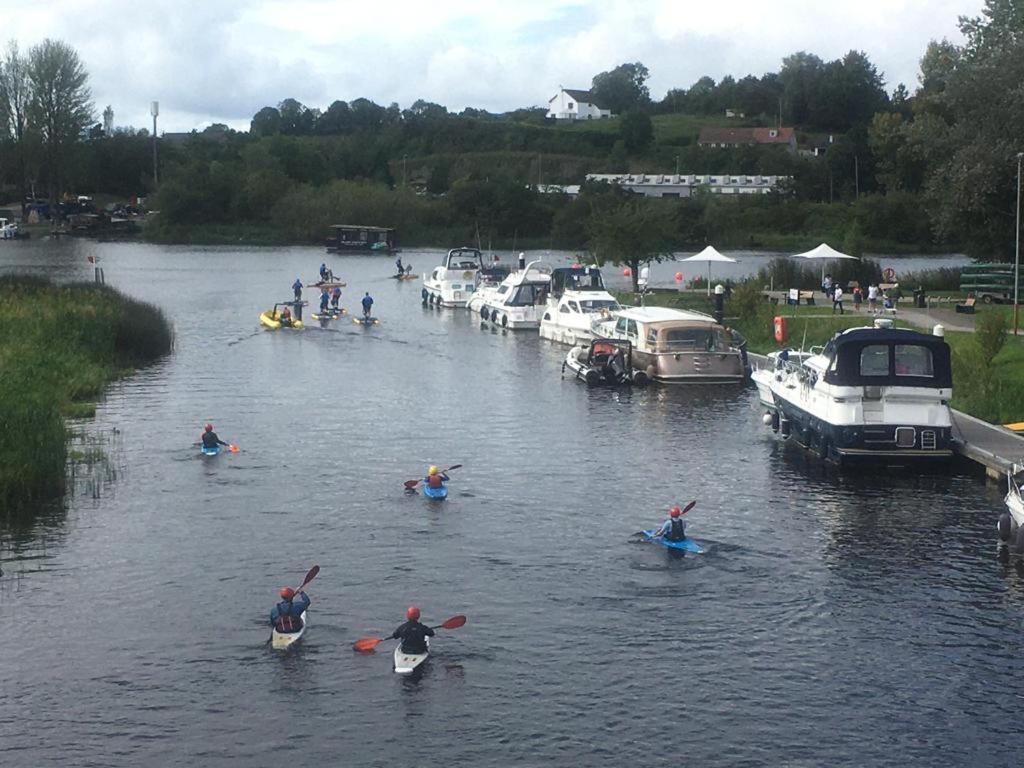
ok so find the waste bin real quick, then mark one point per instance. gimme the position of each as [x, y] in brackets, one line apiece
[919, 299]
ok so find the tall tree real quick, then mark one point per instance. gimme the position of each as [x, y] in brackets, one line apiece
[266, 122]
[623, 88]
[631, 232]
[15, 97]
[61, 104]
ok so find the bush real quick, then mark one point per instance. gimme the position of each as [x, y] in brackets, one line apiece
[990, 335]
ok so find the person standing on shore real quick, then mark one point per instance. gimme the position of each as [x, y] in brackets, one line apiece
[837, 299]
[857, 299]
[872, 298]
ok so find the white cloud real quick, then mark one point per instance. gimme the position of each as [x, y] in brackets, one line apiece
[220, 60]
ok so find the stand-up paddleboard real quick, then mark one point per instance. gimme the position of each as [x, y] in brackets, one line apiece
[435, 493]
[686, 545]
[406, 663]
[283, 640]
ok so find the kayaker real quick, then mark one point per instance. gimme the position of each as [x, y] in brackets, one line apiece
[413, 634]
[673, 529]
[325, 297]
[210, 439]
[297, 287]
[335, 298]
[435, 478]
[286, 615]
[367, 305]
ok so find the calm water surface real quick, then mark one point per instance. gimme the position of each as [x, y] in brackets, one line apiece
[836, 619]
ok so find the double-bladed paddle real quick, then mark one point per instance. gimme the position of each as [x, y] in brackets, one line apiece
[367, 644]
[410, 485]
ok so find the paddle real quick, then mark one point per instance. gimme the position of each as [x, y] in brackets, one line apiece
[685, 509]
[367, 644]
[411, 484]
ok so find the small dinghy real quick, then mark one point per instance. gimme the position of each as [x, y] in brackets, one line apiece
[604, 361]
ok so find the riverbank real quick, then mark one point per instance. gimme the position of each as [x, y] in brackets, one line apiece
[59, 347]
[989, 390]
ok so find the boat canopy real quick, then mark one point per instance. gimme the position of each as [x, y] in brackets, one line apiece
[891, 357]
[688, 337]
[464, 258]
[576, 279]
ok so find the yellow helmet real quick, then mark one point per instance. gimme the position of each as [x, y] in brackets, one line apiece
[432, 470]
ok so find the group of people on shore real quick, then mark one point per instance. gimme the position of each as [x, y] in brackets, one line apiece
[873, 295]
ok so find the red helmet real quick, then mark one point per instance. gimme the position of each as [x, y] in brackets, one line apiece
[287, 593]
[675, 512]
[412, 613]
[209, 427]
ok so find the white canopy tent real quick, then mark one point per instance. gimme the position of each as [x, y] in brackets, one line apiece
[710, 255]
[824, 252]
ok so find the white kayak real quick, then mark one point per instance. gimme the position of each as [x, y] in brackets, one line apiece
[406, 663]
[282, 640]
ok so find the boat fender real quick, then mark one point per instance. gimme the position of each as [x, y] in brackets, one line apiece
[1005, 526]
[766, 419]
[639, 378]
[784, 427]
[775, 421]
[1020, 540]
[424, 294]
[592, 377]
[651, 371]
[504, 321]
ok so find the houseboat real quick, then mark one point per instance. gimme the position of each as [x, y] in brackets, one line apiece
[876, 393]
[519, 301]
[675, 346]
[352, 238]
[454, 281]
[578, 298]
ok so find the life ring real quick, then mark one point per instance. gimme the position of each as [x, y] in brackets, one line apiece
[889, 274]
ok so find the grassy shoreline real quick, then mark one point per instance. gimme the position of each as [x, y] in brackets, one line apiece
[59, 348]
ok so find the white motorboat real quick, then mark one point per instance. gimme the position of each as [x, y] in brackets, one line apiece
[519, 301]
[874, 393]
[407, 663]
[283, 640]
[578, 298]
[675, 346]
[776, 365]
[456, 279]
[1011, 522]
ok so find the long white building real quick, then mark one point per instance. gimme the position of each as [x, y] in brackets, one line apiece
[682, 185]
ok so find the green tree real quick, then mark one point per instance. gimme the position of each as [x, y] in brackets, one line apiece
[61, 105]
[266, 122]
[631, 232]
[636, 130]
[15, 100]
[623, 88]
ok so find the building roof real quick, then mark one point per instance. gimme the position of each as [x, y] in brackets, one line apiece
[583, 96]
[709, 135]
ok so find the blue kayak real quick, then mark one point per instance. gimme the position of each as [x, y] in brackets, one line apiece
[207, 451]
[435, 493]
[686, 545]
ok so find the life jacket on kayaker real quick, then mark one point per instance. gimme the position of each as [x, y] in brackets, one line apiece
[435, 478]
[210, 439]
[286, 615]
[413, 634]
[673, 529]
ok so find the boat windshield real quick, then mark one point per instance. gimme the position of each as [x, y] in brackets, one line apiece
[596, 305]
[527, 295]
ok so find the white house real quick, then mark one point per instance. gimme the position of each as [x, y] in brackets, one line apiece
[571, 104]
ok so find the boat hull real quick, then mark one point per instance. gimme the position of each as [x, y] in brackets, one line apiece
[407, 663]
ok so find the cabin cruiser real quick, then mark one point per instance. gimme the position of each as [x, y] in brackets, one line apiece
[604, 361]
[675, 346]
[776, 364]
[1011, 522]
[578, 298]
[876, 393]
[518, 301]
[453, 282]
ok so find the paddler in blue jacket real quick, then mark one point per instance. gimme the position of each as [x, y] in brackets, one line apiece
[297, 287]
[367, 305]
[325, 297]
[325, 274]
[673, 529]
[413, 634]
[286, 615]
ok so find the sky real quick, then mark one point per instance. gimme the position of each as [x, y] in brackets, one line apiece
[223, 60]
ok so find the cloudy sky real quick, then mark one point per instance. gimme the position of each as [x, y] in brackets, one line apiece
[222, 60]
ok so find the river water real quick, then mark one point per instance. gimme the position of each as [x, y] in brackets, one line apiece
[836, 619]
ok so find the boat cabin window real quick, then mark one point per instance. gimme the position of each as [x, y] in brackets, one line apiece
[596, 305]
[696, 339]
[912, 360]
[874, 360]
[527, 295]
[564, 309]
[574, 306]
[502, 289]
[626, 326]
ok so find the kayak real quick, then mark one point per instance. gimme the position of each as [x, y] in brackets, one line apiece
[406, 663]
[686, 545]
[271, 321]
[436, 493]
[284, 640]
[210, 451]
[366, 321]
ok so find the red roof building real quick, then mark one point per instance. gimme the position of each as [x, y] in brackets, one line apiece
[740, 137]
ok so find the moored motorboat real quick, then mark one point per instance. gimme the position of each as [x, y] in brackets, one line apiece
[1011, 522]
[519, 301]
[458, 277]
[407, 663]
[674, 346]
[775, 365]
[604, 361]
[283, 640]
[577, 299]
[872, 393]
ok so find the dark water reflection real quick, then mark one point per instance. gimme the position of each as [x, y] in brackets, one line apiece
[836, 619]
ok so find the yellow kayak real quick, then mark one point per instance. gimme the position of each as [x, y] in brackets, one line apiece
[271, 320]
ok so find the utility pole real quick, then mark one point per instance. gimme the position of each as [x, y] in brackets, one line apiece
[540, 166]
[1016, 260]
[154, 110]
